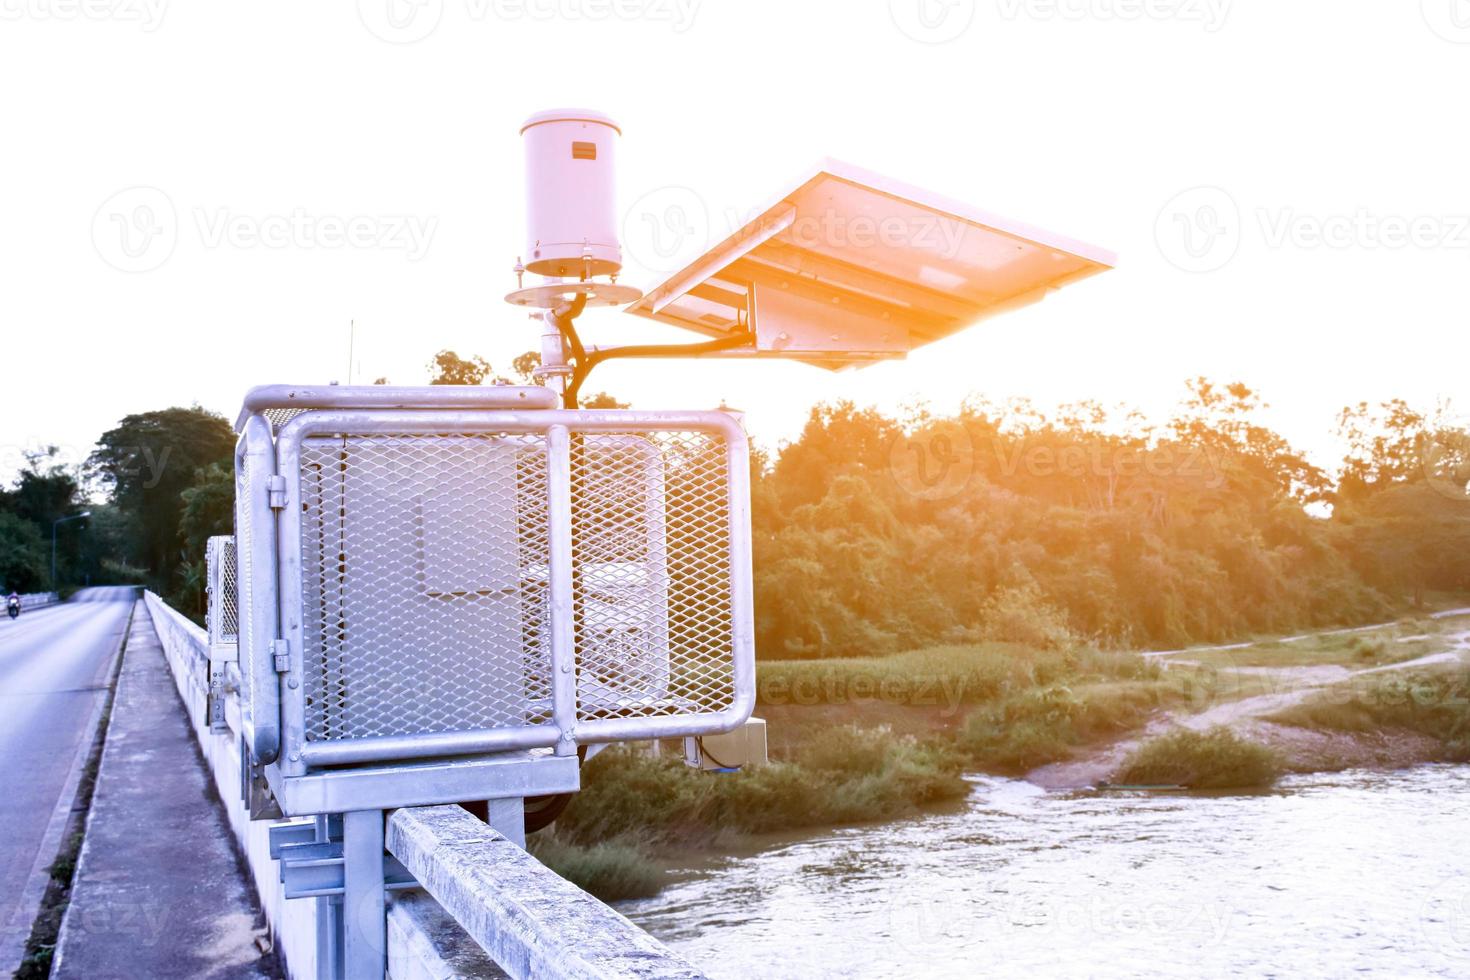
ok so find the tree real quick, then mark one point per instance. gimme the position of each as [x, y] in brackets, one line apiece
[45, 492]
[448, 368]
[23, 555]
[146, 463]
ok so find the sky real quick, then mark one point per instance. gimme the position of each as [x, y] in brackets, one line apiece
[198, 198]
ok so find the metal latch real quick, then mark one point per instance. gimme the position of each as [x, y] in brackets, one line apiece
[281, 655]
[275, 488]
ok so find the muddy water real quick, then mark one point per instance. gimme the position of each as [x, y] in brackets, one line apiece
[1327, 875]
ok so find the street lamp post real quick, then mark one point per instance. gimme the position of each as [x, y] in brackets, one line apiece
[54, 525]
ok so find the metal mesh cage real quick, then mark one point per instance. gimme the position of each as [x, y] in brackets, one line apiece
[221, 611]
[509, 580]
[424, 586]
[652, 579]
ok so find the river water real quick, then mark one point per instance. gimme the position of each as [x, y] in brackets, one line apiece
[1327, 875]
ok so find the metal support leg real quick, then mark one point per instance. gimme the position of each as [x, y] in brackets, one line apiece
[328, 921]
[329, 938]
[365, 923]
[508, 817]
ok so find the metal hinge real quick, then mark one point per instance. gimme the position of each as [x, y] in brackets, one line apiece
[281, 655]
[275, 489]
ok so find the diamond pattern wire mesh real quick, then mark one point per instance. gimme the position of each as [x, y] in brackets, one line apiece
[222, 611]
[651, 574]
[278, 417]
[426, 580]
[425, 565]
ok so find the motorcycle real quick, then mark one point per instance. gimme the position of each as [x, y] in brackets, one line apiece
[12, 606]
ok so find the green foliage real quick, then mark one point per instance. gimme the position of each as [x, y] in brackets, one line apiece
[1433, 704]
[609, 870]
[857, 775]
[874, 535]
[145, 464]
[43, 492]
[448, 368]
[23, 556]
[1217, 759]
[943, 677]
[1033, 726]
[207, 509]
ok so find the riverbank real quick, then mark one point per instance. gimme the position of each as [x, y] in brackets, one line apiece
[876, 739]
[1381, 697]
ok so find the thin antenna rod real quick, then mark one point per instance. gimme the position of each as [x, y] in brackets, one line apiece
[351, 340]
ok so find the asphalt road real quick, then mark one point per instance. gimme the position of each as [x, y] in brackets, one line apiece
[54, 668]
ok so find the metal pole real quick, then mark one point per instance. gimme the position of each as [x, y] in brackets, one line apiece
[559, 544]
[508, 818]
[364, 910]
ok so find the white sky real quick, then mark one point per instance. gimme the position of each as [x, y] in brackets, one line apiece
[1085, 117]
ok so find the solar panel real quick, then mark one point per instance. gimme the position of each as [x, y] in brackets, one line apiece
[851, 267]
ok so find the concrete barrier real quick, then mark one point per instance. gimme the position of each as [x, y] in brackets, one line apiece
[487, 900]
[531, 921]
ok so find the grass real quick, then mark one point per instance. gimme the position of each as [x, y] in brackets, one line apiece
[944, 677]
[1217, 759]
[611, 870]
[1430, 703]
[1015, 707]
[633, 806]
[1036, 726]
[1369, 649]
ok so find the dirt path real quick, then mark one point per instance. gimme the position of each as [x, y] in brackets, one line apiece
[1288, 686]
[1442, 614]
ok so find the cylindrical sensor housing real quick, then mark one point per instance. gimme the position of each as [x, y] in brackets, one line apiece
[571, 204]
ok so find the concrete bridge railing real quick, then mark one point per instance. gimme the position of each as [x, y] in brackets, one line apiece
[485, 905]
